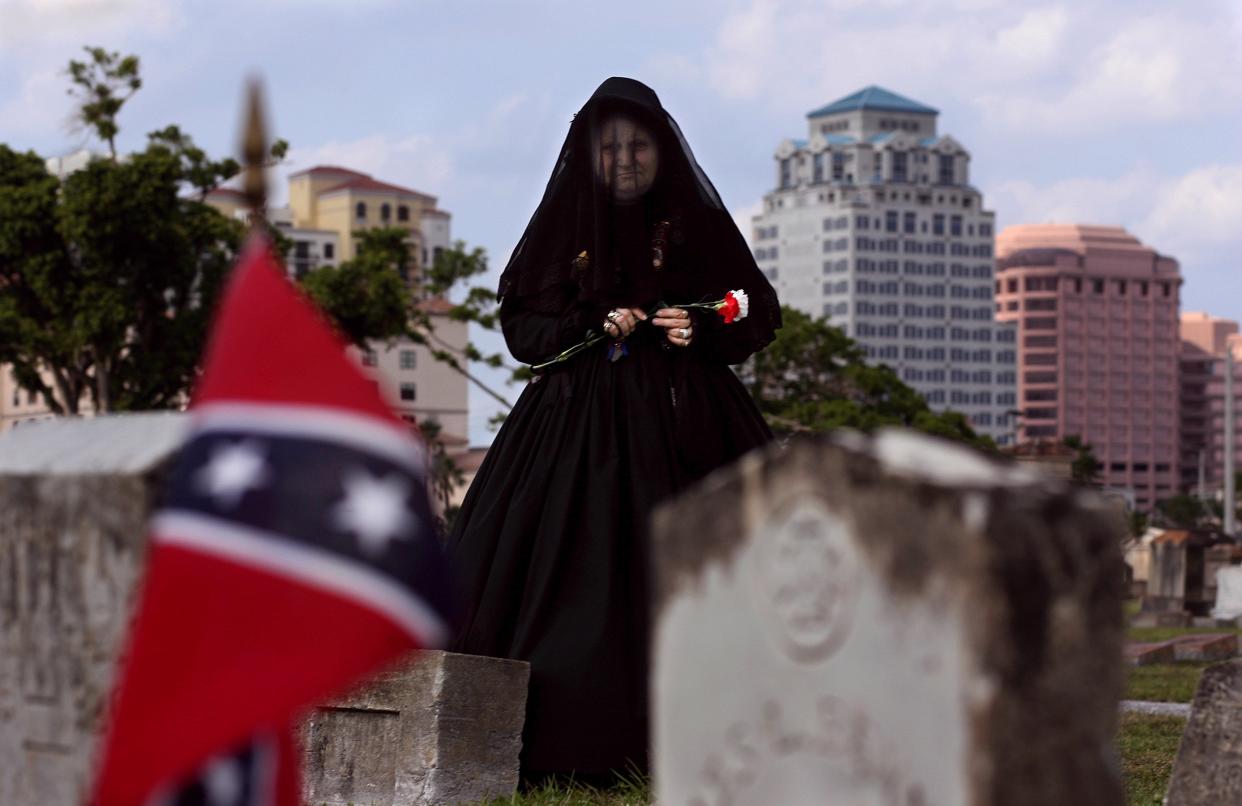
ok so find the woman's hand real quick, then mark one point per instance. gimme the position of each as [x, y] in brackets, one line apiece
[620, 322]
[676, 323]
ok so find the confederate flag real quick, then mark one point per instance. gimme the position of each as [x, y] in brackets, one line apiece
[293, 553]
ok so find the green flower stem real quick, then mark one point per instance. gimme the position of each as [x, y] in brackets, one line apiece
[596, 338]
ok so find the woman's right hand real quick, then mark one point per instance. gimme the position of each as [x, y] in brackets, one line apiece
[620, 322]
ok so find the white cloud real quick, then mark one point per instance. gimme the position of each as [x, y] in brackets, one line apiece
[1200, 210]
[1194, 217]
[1036, 39]
[1048, 67]
[1122, 199]
[1155, 68]
[40, 105]
[34, 24]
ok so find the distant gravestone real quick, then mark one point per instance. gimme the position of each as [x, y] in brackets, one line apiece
[1208, 769]
[895, 620]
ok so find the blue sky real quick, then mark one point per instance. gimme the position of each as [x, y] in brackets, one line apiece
[1114, 111]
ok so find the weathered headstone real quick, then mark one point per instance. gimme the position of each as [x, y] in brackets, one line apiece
[75, 497]
[1208, 768]
[74, 500]
[895, 620]
[445, 728]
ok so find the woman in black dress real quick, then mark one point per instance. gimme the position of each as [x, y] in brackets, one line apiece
[550, 544]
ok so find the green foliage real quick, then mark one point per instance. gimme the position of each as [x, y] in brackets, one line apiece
[366, 297]
[1086, 467]
[1138, 523]
[102, 85]
[1182, 511]
[107, 280]
[814, 378]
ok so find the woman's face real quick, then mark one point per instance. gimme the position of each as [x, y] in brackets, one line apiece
[628, 157]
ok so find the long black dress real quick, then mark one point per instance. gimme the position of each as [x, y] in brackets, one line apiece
[550, 545]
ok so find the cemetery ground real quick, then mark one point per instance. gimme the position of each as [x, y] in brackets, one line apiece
[1147, 745]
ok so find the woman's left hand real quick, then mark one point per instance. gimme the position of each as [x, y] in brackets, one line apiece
[677, 326]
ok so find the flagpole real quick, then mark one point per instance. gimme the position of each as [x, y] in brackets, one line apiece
[254, 155]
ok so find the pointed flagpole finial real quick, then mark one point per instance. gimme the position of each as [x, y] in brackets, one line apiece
[254, 153]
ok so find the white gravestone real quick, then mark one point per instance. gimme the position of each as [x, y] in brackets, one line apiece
[884, 622]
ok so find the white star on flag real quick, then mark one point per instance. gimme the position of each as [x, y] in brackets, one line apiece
[232, 470]
[374, 509]
[223, 782]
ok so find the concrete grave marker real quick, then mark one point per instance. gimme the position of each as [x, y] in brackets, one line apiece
[1208, 769]
[890, 621]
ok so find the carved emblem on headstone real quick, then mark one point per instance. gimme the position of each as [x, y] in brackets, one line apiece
[808, 579]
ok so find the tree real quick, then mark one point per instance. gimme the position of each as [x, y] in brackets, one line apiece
[108, 279]
[814, 378]
[1085, 468]
[103, 84]
[1182, 511]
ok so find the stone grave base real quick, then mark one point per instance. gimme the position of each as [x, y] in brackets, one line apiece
[1150, 654]
[442, 728]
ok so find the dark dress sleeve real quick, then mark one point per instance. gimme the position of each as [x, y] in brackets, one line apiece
[534, 336]
[727, 344]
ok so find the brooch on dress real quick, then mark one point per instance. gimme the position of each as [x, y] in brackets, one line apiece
[658, 243]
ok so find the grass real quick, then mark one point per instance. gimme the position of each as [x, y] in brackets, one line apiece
[1166, 682]
[1148, 745]
[1151, 635]
[630, 791]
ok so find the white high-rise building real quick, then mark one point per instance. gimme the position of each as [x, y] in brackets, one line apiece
[875, 224]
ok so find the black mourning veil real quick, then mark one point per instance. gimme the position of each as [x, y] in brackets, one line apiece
[582, 245]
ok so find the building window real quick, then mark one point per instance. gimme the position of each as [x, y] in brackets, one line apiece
[890, 221]
[385, 211]
[403, 213]
[407, 391]
[899, 166]
[946, 169]
[409, 359]
[908, 222]
[786, 173]
[369, 358]
[1097, 286]
[818, 164]
[955, 225]
[360, 211]
[329, 251]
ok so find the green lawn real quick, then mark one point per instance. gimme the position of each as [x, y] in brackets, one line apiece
[1169, 682]
[1148, 745]
[1151, 635]
[634, 791]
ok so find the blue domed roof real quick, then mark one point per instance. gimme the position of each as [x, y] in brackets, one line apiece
[873, 97]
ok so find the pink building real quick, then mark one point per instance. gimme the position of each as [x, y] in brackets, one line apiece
[1205, 340]
[1098, 346]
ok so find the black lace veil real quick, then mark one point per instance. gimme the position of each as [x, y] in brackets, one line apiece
[587, 236]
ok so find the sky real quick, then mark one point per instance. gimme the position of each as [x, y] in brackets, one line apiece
[1123, 112]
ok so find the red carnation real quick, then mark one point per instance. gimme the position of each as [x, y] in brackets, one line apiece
[729, 309]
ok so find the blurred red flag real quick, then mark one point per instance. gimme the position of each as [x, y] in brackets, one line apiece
[292, 554]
